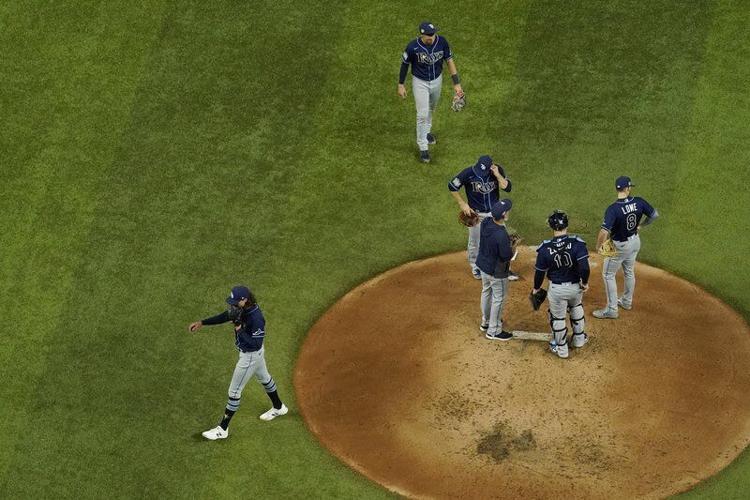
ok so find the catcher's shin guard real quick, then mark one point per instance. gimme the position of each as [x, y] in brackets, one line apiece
[559, 328]
[577, 318]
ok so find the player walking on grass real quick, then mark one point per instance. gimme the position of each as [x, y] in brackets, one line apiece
[482, 183]
[565, 261]
[622, 222]
[426, 55]
[249, 332]
[493, 261]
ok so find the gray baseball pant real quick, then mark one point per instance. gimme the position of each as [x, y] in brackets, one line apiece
[426, 97]
[472, 249]
[627, 251]
[494, 292]
[249, 364]
[563, 298]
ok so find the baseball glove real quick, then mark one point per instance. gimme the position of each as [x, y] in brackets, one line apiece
[470, 220]
[459, 102]
[608, 248]
[537, 298]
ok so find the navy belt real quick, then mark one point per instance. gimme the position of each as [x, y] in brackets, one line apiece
[562, 282]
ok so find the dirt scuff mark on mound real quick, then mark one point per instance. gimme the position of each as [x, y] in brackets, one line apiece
[501, 441]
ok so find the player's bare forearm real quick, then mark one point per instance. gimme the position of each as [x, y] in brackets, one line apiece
[453, 72]
[601, 238]
[461, 203]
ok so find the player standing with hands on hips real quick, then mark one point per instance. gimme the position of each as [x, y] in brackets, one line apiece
[495, 252]
[565, 261]
[426, 55]
[482, 183]
[249, 332]
[622, 222]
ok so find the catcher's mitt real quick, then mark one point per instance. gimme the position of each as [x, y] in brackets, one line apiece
[470, 220]
[459, 102]
[537, 298]
[608, 248]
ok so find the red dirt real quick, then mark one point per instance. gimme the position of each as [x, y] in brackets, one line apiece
[398, 382]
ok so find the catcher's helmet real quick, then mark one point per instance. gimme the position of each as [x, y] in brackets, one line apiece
[558, 220]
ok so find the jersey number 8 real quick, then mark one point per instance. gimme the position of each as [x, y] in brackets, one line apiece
[631, 221]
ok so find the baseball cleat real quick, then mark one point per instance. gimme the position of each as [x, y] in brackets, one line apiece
[605, 314]
[622, 304]
[562, 351]
[580, 339]
[273, 413]
[503, 335]
[483, 327]
[431, 139]
[216, 433]
[512, 276]
[424, 156]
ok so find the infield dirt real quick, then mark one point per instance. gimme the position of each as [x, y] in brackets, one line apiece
[397, 380]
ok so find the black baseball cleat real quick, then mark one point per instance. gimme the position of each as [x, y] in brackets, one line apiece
[431, 139]
[503, 335]
[424, 156]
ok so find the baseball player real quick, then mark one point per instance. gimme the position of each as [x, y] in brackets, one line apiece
[249, 331]
[426, 55]
[622, 221]
[493, 261]
[565, 261]
[482, 183]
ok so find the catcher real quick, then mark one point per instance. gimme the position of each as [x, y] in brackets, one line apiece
[565, 261]
[482, 182]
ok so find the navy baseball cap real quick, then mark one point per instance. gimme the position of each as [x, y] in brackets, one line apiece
[238, 293]
[427, 28]
[499, 208]
[484, 163]
[622, 182]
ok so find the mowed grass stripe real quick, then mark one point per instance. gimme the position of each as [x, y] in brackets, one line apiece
[710, 225]
[710, 191]
[201, 165]
[63, 116]
[599, 93]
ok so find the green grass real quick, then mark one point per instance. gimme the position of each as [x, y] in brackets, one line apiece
[156, 154]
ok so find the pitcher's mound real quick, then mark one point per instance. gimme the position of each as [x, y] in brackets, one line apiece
[397, 380]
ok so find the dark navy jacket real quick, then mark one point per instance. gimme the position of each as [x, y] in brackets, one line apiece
[495, 251]
[249, 328]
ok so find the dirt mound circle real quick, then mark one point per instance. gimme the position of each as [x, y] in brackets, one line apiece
[397, 380]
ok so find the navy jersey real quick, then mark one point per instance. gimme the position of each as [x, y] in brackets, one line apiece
[564, 258]
[249, 327]
[495, 251]
[622, 217]
[427, 60]
[482, 188]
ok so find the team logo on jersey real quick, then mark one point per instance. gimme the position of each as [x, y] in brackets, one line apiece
[483, 187]
[425, 58]
[456, 182]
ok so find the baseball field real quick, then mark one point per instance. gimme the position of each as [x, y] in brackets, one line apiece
[156, 153]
